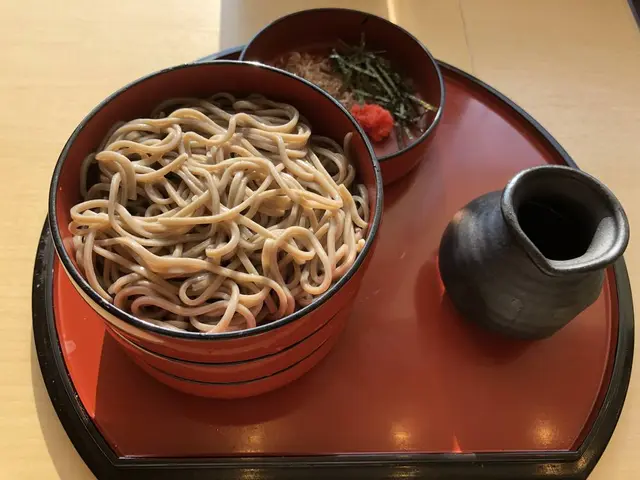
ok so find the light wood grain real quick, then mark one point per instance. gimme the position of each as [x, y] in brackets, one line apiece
[573, 64]
[242, 19]
[439, 25]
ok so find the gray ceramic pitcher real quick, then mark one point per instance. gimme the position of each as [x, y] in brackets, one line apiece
[526, 260]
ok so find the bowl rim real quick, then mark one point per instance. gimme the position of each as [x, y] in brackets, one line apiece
[132, 320]
[432, 60]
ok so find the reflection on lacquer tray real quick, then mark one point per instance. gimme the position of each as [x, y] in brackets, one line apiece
[504, 394]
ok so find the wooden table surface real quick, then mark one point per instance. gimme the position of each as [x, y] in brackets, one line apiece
[573, 64]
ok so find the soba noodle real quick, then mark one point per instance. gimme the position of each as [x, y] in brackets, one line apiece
[217, 215]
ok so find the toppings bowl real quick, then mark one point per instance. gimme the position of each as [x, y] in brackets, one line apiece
[381, 73]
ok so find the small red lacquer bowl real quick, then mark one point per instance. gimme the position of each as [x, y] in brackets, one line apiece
[321, 30]
[233, 364]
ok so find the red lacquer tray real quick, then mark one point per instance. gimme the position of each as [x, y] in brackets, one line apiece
[410, 389]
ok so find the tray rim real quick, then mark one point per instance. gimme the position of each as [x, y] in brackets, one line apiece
[105, 463]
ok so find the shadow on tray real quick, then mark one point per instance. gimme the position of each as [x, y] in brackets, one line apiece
[469, 363]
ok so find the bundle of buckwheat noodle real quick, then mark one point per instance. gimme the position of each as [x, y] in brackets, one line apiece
[217, 215]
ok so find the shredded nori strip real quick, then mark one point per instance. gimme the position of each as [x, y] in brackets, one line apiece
[370, 77]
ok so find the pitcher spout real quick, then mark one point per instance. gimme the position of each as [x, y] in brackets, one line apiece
[566, 220]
